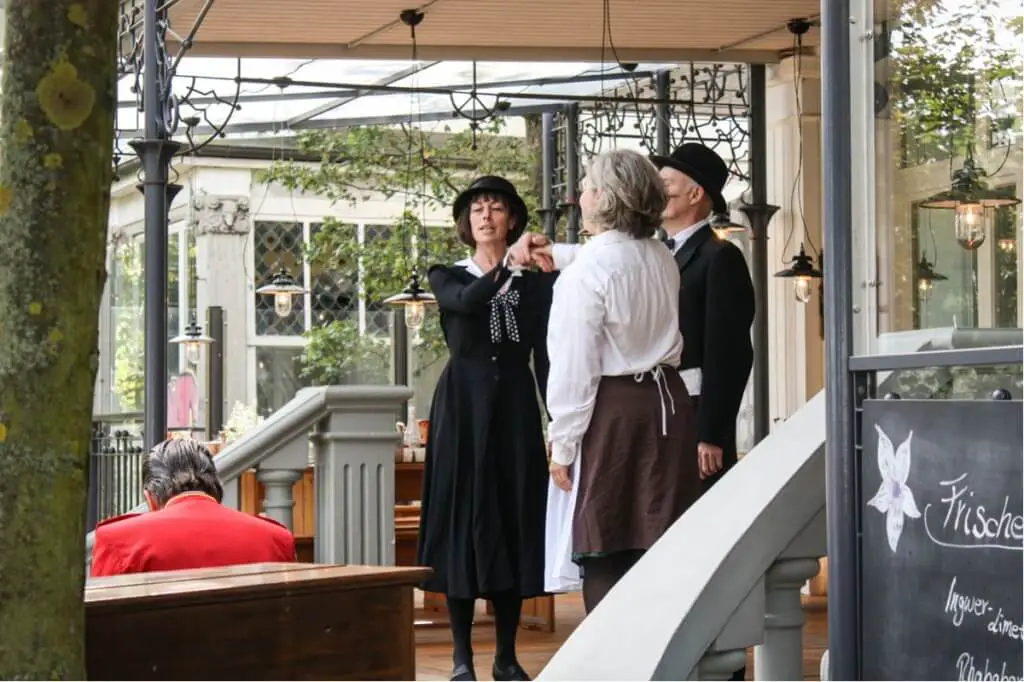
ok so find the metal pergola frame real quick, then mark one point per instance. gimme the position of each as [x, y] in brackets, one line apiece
[154, 71]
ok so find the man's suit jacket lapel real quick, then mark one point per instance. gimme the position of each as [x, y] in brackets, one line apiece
[692, 246]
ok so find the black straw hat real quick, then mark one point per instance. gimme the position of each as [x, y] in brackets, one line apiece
[493, 184]
[703, 166]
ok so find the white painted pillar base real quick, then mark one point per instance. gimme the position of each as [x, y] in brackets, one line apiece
[780, 657]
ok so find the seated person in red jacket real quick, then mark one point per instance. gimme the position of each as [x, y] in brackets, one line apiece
[187, 526]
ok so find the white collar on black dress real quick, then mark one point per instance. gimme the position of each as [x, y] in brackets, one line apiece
[472, 268]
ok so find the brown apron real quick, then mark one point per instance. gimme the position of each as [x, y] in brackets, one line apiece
[638, 464]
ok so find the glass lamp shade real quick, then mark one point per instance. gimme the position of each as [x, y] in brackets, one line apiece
[971, 223]
[282, 288]
[802, 289]
[415, 312]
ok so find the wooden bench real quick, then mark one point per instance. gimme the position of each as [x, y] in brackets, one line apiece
[254, 622]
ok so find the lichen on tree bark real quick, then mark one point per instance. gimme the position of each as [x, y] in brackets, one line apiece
[55, 171]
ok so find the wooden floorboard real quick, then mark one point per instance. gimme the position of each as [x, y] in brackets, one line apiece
[434, 647]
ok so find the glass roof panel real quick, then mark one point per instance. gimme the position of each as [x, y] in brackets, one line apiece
[325, 89]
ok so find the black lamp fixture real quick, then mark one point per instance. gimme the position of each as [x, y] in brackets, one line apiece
[193, 339]
[973, 201]
[415, 299]
[927, 277]
[724, 227]
[801, 270]
[282, 287]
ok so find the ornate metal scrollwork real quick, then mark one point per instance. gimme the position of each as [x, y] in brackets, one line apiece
[192, 104]
[717, 114]
[475, 110]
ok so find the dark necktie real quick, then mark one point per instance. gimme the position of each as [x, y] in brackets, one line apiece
[669, 242]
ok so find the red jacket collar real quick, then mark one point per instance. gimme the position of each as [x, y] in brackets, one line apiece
[189, 497]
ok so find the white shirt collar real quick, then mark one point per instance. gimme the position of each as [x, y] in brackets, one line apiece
[685, 234]
[470, 265]
[475, 270]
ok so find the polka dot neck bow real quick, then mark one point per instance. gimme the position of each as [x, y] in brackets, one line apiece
[503, 316]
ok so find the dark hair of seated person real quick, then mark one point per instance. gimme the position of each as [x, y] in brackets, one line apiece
[181, 466]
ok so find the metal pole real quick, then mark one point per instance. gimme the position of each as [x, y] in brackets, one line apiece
[841, 475]
[663, 115]
[572, 171]
[400, 359]
[215, 372]
[547, 150]
[759, 213]
[155, 152]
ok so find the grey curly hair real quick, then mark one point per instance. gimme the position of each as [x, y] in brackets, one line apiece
[631, 193]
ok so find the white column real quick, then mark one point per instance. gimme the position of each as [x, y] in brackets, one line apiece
[793, 185]
[279, 502]
[781, 655]
[222, 223]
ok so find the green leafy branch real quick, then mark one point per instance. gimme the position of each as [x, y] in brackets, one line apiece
[952, 62]
[427, 170]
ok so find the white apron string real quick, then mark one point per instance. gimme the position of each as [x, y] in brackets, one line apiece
[663, 394]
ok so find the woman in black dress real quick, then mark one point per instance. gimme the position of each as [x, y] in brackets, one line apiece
[485, 484]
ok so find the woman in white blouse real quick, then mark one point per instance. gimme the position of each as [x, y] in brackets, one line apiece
[621, 430]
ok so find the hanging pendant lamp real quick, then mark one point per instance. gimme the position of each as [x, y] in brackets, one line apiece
[927, 277]
[282, 287]
[802, 271]
[973, 202]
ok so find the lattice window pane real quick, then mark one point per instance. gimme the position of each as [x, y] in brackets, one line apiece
[278, 245]
[334, 296]
[378, 315]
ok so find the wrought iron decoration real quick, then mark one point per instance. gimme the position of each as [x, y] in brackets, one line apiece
[716, 114]
[194, 106]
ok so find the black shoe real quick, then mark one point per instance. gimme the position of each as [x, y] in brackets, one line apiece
[510, 672]
[464, 673]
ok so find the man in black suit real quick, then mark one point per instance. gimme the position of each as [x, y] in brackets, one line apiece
[716, 301]
[716, 298]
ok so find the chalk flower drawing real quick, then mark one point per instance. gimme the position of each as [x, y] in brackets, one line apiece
[894, 498]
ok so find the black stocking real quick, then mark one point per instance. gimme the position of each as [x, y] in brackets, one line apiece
[507, 609]
[601, 573]
[460, 612]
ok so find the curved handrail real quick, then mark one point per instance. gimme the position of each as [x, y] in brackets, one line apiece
[295, 419]
[662, 617]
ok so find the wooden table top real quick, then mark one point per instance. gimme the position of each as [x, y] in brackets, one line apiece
[246, 580]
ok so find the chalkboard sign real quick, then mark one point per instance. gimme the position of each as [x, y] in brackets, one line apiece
[942, 544]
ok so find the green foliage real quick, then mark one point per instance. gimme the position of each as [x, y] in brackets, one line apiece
[953, 62]
[425, 170]
[128, 312]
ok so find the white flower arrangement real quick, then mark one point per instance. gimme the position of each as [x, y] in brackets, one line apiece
[243, 419]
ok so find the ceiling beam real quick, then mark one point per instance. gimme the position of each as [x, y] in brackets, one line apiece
[483, 53]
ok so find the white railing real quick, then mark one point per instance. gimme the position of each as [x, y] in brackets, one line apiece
[726, 576]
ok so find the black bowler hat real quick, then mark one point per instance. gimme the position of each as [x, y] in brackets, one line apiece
[703, 166]
[493, 184]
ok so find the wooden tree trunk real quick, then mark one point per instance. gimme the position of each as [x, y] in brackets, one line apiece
[56, 144]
